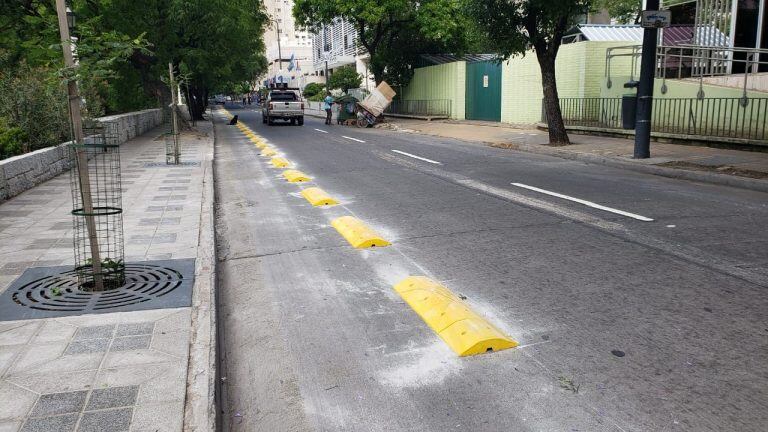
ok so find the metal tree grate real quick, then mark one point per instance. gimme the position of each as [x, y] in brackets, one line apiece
[103, 154]
[45, 292]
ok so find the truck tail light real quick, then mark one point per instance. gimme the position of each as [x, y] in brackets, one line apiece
[302, 105]
[271, 105]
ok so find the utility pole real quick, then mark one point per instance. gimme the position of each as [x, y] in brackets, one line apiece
[80, 152]
[645, 88]
[279, 53]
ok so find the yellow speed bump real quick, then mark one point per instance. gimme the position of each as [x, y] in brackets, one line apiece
[279, 162]
[318, 197]
[465, 331]
[268, 152]
[296, 176]
[357, 233]
[260, 144]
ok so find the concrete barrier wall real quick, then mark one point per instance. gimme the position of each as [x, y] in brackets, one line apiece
[26, 171]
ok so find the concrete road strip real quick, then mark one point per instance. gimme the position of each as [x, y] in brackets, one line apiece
[585, 202]
[320, 130]
[417, 157]
[353, 139]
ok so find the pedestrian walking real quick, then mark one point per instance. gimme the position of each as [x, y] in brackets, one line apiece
[327, 103]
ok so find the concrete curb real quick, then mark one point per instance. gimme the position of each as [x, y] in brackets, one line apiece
[200, 404]
[706, 177]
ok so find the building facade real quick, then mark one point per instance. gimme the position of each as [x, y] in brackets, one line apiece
[336, 45]
[288, 49]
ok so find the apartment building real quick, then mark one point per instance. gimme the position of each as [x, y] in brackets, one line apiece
[283, 42]
[334, 46]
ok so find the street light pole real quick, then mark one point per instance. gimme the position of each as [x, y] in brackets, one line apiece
[279, 53]
[645, 89]
[81, 155]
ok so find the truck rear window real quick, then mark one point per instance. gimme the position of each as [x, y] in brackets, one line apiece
[286, 96]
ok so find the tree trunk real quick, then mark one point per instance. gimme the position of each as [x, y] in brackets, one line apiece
[196, 101]
[557, 134]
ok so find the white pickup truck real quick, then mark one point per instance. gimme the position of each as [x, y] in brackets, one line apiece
[283, 105]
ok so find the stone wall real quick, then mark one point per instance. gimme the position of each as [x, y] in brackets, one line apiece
[23, 172]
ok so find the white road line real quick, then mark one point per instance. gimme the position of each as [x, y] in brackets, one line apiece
[353, 139]
[417, 157]
[585, 202]
[320, 130]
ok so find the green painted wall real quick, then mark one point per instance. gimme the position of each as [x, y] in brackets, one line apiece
[445, 81]
[580, 69]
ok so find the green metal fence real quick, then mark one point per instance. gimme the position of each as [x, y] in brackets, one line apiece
[743, 118]
[426, 108]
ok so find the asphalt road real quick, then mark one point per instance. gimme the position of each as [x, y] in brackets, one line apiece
[624, 323]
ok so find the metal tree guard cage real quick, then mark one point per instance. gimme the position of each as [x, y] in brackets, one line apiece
[106, 219]
[171, 136]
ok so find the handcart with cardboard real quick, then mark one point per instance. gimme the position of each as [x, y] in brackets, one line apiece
[370, 108]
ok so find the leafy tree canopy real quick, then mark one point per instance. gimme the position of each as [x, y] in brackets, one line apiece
[382, 27]
[344, 78]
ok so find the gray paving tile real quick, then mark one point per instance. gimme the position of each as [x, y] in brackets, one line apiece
[140, 239]
[118, 420]
[149, 221]
[164, 238]
[131, 343]
[94, 332]
[133, 329]
[173, 188]
[63, 423]
[87, 346]
[62, 225]
[59, 403]
[14, 213]
[112, 397]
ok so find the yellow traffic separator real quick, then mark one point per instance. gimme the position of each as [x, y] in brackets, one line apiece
[268, 152]
[318, 197]
[260, 144]
[464, 330]
[296, 176]
[357, 233]
[279, 162]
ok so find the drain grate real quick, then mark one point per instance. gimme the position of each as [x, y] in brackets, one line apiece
[178, 165]
[47, 292]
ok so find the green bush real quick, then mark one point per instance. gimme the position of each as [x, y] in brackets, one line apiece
[318, 97]
[312, 89]
[12, 142]
[34, 101]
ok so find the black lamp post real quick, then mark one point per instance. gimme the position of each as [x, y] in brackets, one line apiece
[70, 19]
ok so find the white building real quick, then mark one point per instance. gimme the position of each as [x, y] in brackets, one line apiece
[284, 41]
[337, 44]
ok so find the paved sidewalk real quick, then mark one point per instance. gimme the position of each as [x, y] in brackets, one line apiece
[746, 168]
[116, 371]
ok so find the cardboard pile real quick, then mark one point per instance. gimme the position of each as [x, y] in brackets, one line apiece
[379, 99]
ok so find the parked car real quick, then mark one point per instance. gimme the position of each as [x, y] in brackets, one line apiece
[283, 104]
[219, 99]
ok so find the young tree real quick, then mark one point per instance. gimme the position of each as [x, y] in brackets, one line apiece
[344, 78]
[517, 26]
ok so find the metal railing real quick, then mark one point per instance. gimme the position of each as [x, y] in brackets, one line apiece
[426, 108]
[743, 118]
[704, 63]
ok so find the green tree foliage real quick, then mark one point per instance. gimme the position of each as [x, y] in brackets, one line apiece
[312, 89]
[391, 30]
[123, 48]
[344, 78]
[624, 11]
[517, 26]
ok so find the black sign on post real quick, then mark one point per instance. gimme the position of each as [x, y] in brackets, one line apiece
[647, 72]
